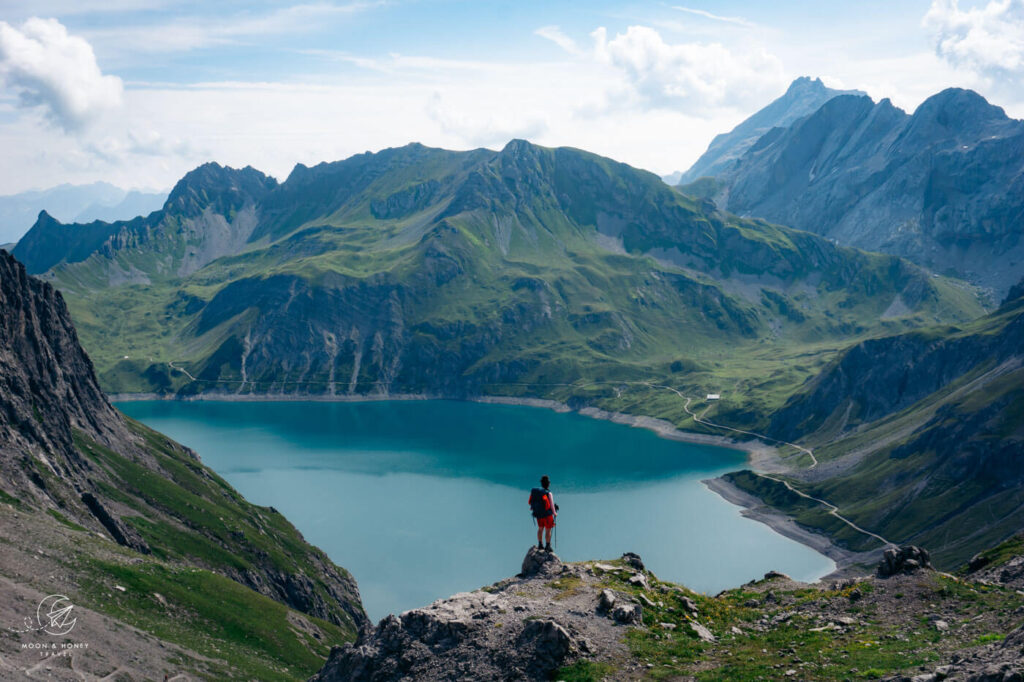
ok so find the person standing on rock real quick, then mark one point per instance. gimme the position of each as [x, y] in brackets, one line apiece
[542, 504]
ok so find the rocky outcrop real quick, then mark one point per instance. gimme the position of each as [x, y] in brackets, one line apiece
[522, 628]
[47, 385]
[905, 559]
[539, 562]
[567, 615]
[943, 187]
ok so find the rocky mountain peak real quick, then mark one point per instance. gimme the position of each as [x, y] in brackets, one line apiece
[221, 188]
[803, 97]
[940, 187]
[519, 149]
[805, 85]
[45, 218]
[957, 107]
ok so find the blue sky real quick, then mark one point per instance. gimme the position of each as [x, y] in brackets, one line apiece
[137, 92]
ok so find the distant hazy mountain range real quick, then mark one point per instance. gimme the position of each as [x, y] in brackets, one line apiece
[943, 187]
[73, 203]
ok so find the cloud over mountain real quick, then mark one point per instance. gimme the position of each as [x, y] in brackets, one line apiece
[699, 77]
[51, 69]
[988, 40]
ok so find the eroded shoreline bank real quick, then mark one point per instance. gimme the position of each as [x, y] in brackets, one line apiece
[760, 456]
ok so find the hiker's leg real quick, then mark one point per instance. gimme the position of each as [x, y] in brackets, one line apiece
[548, 535]
[540, 531]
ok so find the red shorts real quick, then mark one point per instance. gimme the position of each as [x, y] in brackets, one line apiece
[546, 522]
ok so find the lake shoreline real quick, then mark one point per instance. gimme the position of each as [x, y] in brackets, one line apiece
[846, 561]
[760, 456]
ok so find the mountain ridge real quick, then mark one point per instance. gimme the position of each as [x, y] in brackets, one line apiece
[942, 186]
[497, 262]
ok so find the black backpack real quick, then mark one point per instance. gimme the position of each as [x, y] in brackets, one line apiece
[537, 497]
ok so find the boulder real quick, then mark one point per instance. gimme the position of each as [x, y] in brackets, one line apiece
[454, 638]
[702, 632]
[606, 602]
[628, 614]
[640, 580]
[538, 561]
[550, 643]
[633, 560]
[906, 559]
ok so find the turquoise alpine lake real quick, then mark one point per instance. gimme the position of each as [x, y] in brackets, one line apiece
[423, 499]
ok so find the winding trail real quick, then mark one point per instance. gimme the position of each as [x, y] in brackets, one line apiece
[761, 436]
[832, 509]
[183, 371]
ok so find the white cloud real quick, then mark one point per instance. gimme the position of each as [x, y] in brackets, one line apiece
[988, 40]
[699, 77]
[51, 69]
[739, 21]
[484, 129]
[555, 35]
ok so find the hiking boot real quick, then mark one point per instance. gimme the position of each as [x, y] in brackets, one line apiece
[540, 546]
[548, 548]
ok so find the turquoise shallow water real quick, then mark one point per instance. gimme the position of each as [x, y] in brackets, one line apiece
[421, 499]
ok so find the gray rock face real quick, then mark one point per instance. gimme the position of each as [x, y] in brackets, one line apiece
[804, 96]
[208, 214]
[607, 600]
[47, 384]
[702, 632]
[906, 559]
[943, 187]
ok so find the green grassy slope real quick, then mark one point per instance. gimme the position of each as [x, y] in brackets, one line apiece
[920, 436]
[530, 271]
